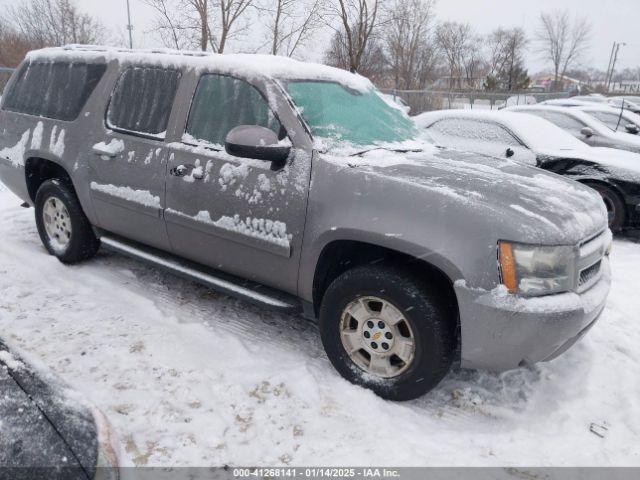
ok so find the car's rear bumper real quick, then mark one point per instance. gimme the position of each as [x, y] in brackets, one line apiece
[501, 331]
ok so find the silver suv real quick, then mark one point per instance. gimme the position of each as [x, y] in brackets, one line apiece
[298, 187]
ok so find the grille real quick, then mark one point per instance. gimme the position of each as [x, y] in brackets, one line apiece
[589, 273]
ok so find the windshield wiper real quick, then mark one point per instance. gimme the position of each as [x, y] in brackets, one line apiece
[397, 150]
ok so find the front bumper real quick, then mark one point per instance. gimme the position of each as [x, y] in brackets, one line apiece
[501, 331]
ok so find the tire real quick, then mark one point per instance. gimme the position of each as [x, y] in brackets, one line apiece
[615, 206]
[427, 317]
[63, 227]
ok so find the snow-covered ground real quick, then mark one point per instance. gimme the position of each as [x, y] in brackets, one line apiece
[191, 377]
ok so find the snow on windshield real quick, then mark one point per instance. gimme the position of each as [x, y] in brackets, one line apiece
[338, 114]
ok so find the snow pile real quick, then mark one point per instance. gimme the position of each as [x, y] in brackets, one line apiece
[56, 142]
[230, 174]
[113, 148]
[142, 197]
[16, 153]
[263, 229]
[36, 138]
[9, 361]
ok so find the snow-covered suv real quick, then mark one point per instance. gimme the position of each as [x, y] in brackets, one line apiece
[298, 187]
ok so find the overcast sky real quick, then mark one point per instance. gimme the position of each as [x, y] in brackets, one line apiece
[613, 20]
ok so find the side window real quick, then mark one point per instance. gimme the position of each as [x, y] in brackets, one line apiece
[222, 103]
[142, 99]
[563, 121]
[609, 119]
[57, 90]
[474, 130]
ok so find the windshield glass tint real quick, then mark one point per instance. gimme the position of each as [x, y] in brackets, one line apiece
[340, 114]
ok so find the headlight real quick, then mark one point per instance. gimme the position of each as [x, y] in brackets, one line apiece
[532, 270]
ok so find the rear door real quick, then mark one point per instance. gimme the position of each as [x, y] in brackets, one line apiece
[240, 215]
[129, 156]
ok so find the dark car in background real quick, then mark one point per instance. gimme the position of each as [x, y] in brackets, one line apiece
[615, 174]
[46, 431]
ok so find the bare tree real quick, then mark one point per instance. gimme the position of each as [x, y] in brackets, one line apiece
[201, 24]
[562, 41]
[373, 62]
[506, 59]
[13, 46]
[358, 20]
[291, 23]
[168, 24]
[43, 23]
[454, 41]
[409, 42]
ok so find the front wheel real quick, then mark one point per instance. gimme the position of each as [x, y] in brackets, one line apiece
[63, 227]
[616, 211]
[386, 330]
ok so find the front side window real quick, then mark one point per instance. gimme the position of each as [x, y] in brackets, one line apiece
[565, 122]
[339, 114]
[222, 103]
[611, 120]
[57, 90]
[142, 100]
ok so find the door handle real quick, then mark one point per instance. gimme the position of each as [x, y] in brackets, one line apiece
[183, 170]
[179, 171]
[104, 151]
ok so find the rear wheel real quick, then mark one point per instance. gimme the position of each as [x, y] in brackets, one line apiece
[388, 331]
[63, 227]
[616, 210]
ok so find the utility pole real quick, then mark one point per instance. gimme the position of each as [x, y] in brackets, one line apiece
[613, 64]
[606, 77]
[129, 26]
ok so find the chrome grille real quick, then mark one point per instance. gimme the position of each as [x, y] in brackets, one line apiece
[589, 273]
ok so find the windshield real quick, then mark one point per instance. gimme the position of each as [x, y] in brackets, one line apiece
[339, 114]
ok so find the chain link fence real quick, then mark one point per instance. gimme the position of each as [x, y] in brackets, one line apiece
[426, 100]
[5, 74]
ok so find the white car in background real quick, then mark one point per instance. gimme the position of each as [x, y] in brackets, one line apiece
[616, 119]
[583, 126]
[615, 174]
[591, 100]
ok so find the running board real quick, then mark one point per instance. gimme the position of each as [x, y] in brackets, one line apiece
[220, 282]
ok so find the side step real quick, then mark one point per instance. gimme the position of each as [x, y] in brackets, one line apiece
[216, 280]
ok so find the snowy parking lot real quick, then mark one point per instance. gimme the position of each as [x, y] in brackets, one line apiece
[190, 377]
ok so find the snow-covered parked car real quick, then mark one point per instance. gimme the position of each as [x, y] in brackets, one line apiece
[617, 119]
[297, 187]
[47, 431]
[529, 139]
[584, 127]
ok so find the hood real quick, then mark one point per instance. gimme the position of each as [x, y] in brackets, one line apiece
[620, 164]
[541, 207]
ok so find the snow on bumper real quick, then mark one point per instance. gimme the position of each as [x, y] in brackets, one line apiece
[501, 331]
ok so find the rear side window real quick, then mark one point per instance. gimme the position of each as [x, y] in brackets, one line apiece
[222, 103]
[142, 100]
[55, 90]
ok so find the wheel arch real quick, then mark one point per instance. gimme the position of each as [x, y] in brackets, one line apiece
[38, 169]
[338, 256]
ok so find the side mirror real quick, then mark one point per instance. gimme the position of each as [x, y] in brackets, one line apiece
[632, 129]
[510, 153]
[254, 141]
[587, 132]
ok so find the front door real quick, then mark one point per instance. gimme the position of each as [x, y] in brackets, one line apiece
[242, 216]
[129, 161]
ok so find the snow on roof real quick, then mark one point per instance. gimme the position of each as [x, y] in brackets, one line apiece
[576, 113]
[246, 65]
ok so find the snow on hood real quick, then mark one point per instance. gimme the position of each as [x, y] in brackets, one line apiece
[545, 207]
[247, 65]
